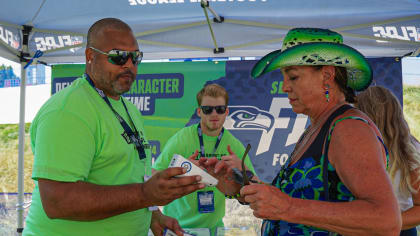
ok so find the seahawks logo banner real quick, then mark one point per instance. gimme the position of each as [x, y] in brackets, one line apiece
[260, 113]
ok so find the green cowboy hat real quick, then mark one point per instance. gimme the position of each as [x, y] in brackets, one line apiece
[315, 47]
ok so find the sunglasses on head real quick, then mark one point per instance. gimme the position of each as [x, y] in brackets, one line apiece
[209, 109]
[120, 57]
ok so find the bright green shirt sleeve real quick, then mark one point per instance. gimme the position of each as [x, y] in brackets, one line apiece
[64, 148]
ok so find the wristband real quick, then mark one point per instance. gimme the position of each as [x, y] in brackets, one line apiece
[233, 196]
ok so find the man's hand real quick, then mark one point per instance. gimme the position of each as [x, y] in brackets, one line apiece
[193, 157]
[232, 160]
[223, 172]
[160, 222]
[163, 187]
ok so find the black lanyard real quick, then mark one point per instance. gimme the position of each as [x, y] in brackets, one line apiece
[200, 138]
[128, 135]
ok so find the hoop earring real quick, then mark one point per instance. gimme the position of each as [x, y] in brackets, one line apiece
[327, 92]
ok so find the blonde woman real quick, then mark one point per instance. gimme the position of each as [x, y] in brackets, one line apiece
[404, 167]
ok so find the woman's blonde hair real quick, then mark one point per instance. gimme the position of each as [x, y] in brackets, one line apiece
[385, 110]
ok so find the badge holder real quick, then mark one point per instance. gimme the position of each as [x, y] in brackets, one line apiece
[205, 201]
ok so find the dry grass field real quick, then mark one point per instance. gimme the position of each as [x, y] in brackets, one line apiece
[412, 108]
[9, 159]
[238, 216]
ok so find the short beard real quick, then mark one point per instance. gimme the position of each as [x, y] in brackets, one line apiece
[115, 85]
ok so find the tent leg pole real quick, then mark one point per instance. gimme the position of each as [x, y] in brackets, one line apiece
[21, 148]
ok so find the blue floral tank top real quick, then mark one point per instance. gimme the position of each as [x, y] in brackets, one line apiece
[307, 179]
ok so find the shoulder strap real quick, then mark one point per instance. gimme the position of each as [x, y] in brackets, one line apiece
[324, 155]
[326, 147]
[367, 122]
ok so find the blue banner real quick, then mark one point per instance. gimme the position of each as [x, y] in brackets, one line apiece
[260, 113]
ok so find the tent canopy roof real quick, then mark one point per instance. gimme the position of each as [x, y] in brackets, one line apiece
[178, 28]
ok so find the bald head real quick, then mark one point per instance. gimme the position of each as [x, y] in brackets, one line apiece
[96, 30]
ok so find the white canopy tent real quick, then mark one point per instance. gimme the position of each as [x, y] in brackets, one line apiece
[180, 29]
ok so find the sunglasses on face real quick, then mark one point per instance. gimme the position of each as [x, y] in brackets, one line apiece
[209, 109]
[120, 57]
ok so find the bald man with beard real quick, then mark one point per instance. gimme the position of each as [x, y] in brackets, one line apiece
[92, 165]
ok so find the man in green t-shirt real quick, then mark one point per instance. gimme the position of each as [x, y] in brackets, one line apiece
[92, 162]
[204, 208]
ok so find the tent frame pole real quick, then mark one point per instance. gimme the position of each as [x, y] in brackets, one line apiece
[21, 147]
[205, 4]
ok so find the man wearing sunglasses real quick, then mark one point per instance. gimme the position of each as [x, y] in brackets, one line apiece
[204, 208]
[92, 162]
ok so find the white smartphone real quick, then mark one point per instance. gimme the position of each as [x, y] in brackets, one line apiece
[192, 169]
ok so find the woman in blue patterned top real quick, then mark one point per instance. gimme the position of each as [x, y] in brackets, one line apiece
[335, 181]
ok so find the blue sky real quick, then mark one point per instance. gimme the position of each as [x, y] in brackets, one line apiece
[411, 70]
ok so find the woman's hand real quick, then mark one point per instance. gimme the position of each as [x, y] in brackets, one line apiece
[267, 201]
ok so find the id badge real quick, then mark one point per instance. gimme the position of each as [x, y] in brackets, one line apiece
[205, 201]
[151, 208]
